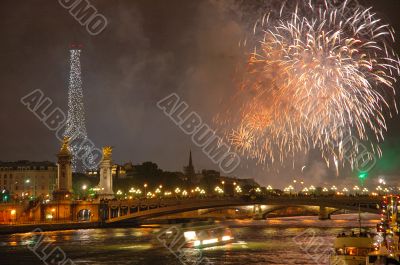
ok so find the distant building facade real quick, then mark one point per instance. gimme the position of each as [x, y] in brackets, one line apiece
[26, 178]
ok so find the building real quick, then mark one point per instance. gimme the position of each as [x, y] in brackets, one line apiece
[118, 171]
[28, 179]
[189, 169]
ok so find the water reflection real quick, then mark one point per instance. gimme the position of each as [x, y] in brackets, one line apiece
[258, 242]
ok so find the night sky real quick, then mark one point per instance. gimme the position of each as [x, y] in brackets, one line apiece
[149, 49]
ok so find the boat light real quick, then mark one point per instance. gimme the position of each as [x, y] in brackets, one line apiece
[210, 241]
[190, 235]
[226, 238]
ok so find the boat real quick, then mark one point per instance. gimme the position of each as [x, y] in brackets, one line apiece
[352, 249]
[202, 235]
[383, 256]
[387, 241]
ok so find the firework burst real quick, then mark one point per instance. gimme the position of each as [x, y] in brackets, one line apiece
[318, 76]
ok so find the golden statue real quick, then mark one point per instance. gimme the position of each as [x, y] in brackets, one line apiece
[65, 145]
[107, 151]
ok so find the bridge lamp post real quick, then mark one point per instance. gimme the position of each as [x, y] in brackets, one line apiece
[379, 189]
[157, 192]
[84, 188]
[345, 191]
[386, 190]
[325, 190]
[312, 189]
[238, 189]
[28, 181]
[145, 188]
[291, 189]
[177, 191]
[305, 191]
[218, 190]
[356, 189]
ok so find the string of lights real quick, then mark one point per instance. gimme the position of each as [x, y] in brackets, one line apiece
[76, 125]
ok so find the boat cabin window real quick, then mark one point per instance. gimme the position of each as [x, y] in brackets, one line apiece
[351, 251]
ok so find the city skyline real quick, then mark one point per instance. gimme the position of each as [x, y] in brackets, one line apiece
[121, 91]
[201, 132]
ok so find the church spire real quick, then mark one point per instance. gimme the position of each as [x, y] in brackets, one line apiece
[190, 159]
[189, 169]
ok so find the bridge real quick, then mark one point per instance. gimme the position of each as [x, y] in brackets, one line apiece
[130, 210]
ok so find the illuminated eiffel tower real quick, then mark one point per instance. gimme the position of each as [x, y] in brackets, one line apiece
[76, 127]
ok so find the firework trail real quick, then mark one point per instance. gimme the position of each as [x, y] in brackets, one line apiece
[319, 76]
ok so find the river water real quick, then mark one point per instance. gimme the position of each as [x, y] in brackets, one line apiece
[295, 240]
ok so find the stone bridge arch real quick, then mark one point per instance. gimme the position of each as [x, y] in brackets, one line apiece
[326, 204]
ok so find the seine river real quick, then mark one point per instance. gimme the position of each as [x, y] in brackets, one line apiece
[295, 240]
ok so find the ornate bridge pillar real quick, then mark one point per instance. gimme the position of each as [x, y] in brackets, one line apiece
[323, 213]
[64, 174]
[106, 181]
[257, 212]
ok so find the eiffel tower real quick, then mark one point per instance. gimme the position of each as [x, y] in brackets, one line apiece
[76, 126]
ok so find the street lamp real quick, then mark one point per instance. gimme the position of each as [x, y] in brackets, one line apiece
[145, 188]
[218, 190]
[290, 189]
